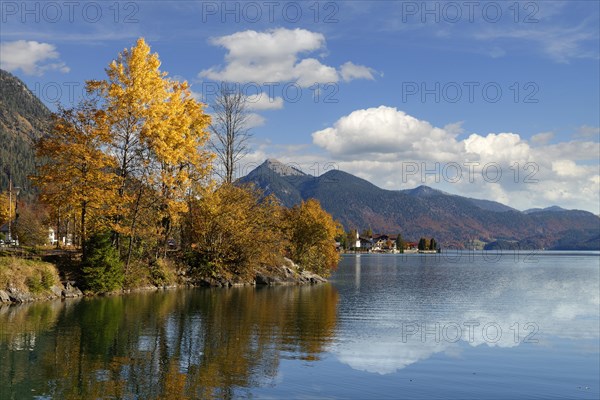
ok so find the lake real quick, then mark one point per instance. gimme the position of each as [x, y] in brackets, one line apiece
[450, 325]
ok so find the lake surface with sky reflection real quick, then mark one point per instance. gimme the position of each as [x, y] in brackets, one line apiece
[461, 325]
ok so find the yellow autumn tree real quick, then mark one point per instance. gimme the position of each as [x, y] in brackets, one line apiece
[311, 233]
[158, 135]
[76, 176]
[5, 208]
[234, 231]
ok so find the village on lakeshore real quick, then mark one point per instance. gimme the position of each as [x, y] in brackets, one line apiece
[369, 242]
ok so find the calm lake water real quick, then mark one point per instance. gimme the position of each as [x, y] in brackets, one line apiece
[459, 325]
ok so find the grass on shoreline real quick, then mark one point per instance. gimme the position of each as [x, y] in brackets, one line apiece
[27, 275]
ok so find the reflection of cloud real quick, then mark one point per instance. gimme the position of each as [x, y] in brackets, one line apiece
[385, 357]
[412, 319]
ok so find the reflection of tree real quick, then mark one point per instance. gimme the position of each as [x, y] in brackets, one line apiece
[20, 331]
[180, 344]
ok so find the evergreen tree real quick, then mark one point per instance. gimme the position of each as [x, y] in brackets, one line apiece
[102, 269]
[400, 243]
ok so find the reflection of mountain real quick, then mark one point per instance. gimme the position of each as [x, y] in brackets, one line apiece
[388, 296]
[180, 344]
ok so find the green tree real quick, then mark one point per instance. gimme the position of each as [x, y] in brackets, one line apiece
[367, 233]
[400, 243]
[102, 269]
[343, 240]
[432, 244]
[351, 238]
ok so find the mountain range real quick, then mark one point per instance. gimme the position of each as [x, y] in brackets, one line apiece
[454, 221]
[23, 119]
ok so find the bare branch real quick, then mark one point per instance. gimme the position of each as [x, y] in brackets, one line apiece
[229, 128]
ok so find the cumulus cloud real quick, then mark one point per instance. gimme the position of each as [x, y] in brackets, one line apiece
[31, 57]
[501, 147]
[276, 55]
[382, 130]
[379, 144]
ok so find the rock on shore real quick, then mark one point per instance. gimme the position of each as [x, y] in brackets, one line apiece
[14, 295]
[288, 273]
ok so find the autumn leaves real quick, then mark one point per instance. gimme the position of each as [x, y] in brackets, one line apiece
[132, 159]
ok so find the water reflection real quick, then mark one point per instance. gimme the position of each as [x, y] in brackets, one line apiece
[386, 326]
[180, 344]
[409, 309]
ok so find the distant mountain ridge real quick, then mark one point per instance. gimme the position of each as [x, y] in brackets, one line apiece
[23, 119]
[423, 211]
[551, 208]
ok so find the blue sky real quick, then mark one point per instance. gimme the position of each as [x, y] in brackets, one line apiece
[389, 89]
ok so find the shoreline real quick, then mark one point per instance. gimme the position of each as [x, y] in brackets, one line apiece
[289, 274]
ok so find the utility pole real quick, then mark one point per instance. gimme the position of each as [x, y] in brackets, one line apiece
[9, 209]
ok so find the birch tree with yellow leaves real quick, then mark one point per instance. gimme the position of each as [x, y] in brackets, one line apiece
[158, 136]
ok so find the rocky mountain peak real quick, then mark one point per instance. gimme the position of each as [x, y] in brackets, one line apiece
[282, 169]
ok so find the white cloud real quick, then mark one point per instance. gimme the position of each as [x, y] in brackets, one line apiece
[586, 131]
[379, 143]
[31, 57]
[350, 71]
[501, 147]
[559, 43]
[542, 138]
[262, 101]
[254, 120]
[276, 55]
[567, 168]
[384, 130]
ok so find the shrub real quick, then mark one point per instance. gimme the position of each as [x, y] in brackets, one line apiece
[162, 273]
[34, 284]
[47, 280]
